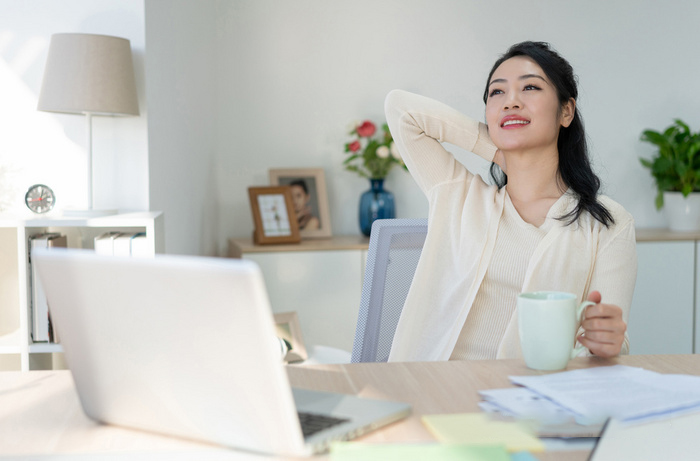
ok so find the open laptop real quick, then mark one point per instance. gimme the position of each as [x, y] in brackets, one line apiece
[186, 346]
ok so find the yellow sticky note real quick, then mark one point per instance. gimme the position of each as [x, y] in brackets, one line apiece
[358, 451]
[478, 429]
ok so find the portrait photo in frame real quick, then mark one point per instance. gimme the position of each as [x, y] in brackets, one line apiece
[288, 329]
[273, 215]
[309, 197]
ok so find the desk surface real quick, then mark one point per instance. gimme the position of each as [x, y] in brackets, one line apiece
[40, 412]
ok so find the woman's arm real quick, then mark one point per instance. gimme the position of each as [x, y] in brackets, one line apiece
[603, 330]
[419, 124]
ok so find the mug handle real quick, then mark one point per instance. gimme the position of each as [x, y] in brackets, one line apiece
[579, 312]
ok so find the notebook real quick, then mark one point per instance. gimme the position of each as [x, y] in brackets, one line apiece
[186, 346]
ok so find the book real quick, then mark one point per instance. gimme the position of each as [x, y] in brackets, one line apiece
[104, 243]
[128, 244]
[41, 329]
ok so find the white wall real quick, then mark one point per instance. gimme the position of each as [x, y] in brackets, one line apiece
[234, 88]
[294, 74]
[39, 147]
[182, 87]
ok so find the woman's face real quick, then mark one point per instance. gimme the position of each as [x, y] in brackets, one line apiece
[522, 108]
[299, 197]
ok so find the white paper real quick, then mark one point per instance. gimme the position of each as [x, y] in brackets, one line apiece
[622, 392]
[525, 403]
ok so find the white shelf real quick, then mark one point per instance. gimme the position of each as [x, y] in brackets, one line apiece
[44, 348]
[119, 220]
[80, 232]
[10, 343]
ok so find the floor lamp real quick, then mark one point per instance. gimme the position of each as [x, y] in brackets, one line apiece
[91, 75]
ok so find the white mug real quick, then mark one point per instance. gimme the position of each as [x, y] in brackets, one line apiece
[547, 324]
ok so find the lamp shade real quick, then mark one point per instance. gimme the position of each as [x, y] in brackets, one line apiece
[87, 73]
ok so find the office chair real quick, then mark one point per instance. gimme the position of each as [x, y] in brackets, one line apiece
[395, 246]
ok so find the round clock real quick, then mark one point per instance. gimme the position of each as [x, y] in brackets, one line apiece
[40, 198]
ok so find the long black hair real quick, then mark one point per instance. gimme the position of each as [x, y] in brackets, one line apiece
[574, 164]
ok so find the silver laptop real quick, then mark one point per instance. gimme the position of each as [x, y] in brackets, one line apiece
[186, 346]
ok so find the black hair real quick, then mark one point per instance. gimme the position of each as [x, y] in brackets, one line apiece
[301, 183]
[574, 163]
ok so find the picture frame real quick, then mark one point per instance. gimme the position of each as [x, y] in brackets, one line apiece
[310, 199]
[272, 209]
[288, 328]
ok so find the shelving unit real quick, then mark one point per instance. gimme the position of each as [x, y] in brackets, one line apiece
[15, 335]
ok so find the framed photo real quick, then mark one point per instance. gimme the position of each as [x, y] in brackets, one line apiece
[273, 214]
[288, 329]
[309, 197]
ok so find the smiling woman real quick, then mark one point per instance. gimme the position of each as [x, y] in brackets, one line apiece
[541, 227]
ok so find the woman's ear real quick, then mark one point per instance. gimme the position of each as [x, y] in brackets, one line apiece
[568, 111]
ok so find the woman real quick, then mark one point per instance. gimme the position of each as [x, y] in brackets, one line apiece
[541, 227]
[302, 206]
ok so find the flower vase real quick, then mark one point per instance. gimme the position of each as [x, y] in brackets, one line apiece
[376, 203]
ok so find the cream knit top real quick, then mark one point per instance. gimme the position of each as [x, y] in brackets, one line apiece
[496, 299]
[468, 264]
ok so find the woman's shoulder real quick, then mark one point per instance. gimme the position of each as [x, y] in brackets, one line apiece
[621, 216]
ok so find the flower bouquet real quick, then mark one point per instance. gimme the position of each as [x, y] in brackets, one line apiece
[371, 157]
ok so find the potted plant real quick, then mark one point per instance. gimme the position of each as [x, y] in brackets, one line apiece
[371, 155]
[676, 171]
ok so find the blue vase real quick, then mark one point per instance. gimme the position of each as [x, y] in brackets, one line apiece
[375, 203]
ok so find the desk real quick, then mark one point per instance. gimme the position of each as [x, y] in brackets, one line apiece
[40, 413]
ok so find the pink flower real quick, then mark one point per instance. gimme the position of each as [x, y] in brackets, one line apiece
[367, 129]
[354, 146]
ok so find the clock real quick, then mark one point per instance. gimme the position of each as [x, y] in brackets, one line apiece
[40, 198]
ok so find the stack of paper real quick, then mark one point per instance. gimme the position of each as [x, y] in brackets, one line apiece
[592, 395]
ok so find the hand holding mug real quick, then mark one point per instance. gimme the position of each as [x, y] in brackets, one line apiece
[604, 329]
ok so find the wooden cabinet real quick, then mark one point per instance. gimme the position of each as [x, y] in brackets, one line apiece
[17, 350]
[322, 281]
[662, 315]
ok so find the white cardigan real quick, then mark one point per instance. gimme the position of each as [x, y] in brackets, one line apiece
[463, 220]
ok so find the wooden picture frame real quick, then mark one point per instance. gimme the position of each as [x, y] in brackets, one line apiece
[310, 198]
[272, 209]
[288, 328]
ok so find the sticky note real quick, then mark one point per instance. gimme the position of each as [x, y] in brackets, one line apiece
[357, 451]
[478, 429]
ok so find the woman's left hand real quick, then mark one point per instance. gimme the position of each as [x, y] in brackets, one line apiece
[604, 329]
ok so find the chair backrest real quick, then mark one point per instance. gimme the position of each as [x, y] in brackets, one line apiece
[395, 247]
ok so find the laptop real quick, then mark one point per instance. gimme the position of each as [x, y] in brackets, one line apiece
[186, 346]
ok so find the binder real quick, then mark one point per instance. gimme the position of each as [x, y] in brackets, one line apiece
[104, 244]
[128, 243]
[39, 308]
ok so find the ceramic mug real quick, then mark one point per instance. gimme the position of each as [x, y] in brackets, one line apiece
[547, 323]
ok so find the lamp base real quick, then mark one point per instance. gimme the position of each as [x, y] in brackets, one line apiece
[75, 213]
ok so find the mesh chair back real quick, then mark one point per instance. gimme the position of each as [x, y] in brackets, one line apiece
[395, 247]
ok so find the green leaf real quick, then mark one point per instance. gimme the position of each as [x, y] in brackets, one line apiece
[655, 138]
[687, 189]
[686, 128]
[659, 200]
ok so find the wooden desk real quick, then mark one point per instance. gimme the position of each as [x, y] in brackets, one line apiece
[40, 413]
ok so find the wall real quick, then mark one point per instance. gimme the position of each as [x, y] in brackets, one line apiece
[182, 90]
[40, 147]
[294, 74]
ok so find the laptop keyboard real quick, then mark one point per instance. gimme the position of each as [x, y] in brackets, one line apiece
[312, 423]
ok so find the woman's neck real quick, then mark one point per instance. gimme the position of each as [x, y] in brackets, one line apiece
[533, 176]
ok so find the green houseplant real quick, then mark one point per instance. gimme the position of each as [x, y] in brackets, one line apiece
[676, 168]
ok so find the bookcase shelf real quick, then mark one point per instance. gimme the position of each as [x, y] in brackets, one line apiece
[15, 315]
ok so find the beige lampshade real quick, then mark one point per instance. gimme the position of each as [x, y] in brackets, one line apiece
[88, 73]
